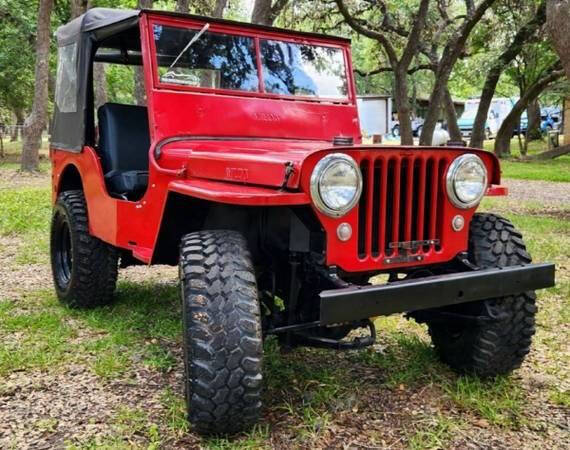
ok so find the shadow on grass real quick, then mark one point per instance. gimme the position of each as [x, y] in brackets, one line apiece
[306, 390]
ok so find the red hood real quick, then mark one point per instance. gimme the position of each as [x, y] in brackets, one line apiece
[259, 162]
[264, 162]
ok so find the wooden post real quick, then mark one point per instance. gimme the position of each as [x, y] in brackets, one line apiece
[376, 138]
[566, 121]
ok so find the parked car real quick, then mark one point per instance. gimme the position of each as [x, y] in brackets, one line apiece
[549, 119]
[498, 110]
[417, 126]
[246, 170]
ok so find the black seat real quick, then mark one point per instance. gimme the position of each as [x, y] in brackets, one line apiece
[124, 141]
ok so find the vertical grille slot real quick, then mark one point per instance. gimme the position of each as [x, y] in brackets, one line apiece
[439, 217]
[375, 250]
[416, 192]
[363, 214]
[390, 216]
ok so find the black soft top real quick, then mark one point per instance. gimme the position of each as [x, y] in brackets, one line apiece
[78, 42]
[97, 19]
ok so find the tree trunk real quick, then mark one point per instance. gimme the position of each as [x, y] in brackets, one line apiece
[266, 11]
[140, 92]
[505, 133]
[558, 25]
[522, 36]
[78, 7]
[99, 84]
[435, 101]
[451, 116]
[554, 153]
[19, 113]
[450, 55]
[36, 121]
[219, 8]
[183, 6]
[533, 114]
[403, 106]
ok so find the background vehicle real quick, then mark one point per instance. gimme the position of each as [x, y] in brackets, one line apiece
[246, 171]
[498, 110]
[550, 119]
[417, 125]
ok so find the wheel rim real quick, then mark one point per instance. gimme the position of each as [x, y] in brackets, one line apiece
[63, 255]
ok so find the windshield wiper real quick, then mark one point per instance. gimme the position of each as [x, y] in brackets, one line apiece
[194, 39]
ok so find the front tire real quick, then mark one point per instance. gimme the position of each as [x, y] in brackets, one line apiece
[499, 342]
[222, 332]
[84, 268]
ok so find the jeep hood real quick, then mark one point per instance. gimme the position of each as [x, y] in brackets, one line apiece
[261, 162]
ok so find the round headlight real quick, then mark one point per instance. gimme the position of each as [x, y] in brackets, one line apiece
[466, 181]
[336, 184]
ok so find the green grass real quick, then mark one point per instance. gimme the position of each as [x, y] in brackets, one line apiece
[24, 210]
[432, 433]
[32, 339]
[406, 359]
[551, 170]
[499, 401]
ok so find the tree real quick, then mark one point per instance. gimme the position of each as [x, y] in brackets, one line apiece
[36, 121]
[558, 25]
[266, 11]
[386, 32]
[78, 7]
[452, 51]
[17, 52]
[498, 67]
[509, 124]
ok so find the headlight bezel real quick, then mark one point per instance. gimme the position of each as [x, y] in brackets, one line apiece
[456, 164]
[315, 182]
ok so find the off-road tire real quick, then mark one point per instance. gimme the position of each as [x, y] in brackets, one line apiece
[84, 268]
[221, 332]
[497, 346]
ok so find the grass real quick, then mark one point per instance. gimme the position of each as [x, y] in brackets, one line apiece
[24, 210]
[551, 170]
[308, 392]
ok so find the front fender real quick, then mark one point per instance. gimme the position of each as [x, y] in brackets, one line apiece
[237, 194]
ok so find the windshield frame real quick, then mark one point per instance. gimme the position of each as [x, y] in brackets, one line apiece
[256, 35]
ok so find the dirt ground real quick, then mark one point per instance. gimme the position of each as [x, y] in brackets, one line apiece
[73, 407]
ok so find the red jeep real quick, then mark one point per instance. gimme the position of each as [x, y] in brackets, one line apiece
[246, 169]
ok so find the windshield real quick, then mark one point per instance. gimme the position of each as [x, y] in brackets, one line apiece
[305, 70]
[213, 60]
[200, 58]
[469, 114]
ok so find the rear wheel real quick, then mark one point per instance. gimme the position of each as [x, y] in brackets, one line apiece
[84, 268]
[222, 332]
[498, 342]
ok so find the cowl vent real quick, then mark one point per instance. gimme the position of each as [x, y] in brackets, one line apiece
[342, 140]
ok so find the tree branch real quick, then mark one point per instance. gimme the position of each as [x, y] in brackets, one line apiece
[390, 69]
[377, 36]
[414, 38]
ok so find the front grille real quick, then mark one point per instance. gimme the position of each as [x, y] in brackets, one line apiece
[401, 205]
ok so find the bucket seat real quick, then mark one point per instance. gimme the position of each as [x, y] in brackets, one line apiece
[124, 142]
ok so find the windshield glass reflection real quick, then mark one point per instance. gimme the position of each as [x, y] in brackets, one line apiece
[303, 70]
